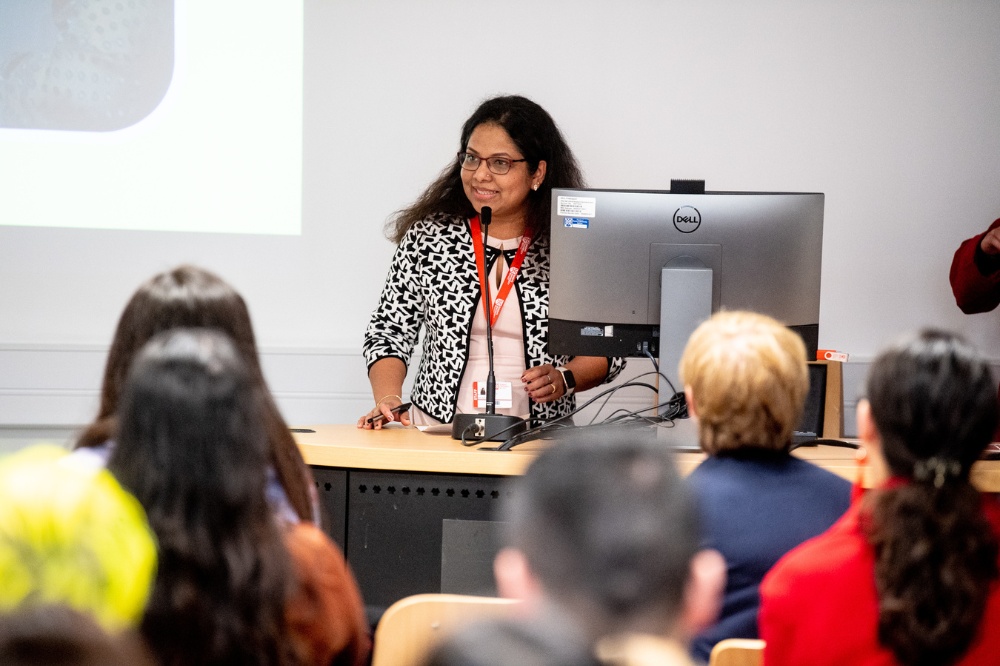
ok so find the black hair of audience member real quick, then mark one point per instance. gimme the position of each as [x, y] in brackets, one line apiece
[192, 297]
[192, 447]
[499, 642]
[609, 529]
[536, 135]
[933, 401]
[55, 635]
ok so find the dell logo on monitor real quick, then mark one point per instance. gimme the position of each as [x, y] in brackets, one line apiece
[687, 219]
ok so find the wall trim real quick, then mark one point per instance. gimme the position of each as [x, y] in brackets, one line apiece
[57, 386]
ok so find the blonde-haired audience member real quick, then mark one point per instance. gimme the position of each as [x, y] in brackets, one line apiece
[745, 377]
[72, 536]
[909, 574]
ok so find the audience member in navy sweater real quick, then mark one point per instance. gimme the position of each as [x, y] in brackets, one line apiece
[745, 378]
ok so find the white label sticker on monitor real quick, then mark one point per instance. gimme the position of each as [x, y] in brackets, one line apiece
[576, 206]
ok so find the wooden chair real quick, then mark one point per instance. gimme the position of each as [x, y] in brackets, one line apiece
[737, 652]
[411, 627]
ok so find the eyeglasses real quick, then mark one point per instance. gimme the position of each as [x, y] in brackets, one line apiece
[497, 165]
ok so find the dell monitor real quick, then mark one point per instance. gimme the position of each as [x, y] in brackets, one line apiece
[634, 272]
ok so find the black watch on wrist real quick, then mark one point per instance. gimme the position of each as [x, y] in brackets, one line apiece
[568, 379]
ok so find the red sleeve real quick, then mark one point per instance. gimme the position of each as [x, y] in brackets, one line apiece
[974, 292]
[325, 615]
[776, 623]
[819, 605]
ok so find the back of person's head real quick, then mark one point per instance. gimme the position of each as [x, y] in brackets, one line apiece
[57, 635]
[72, 536]
[609, 530]
[192, 448]
[186, 296]
[192, 297]
[191, 442]
[499, 642]
[932, 401]
[747, 377]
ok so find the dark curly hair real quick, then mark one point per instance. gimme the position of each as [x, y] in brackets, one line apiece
[934, 404]
[535, 134]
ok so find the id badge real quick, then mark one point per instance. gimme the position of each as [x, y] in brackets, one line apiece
[504, 395]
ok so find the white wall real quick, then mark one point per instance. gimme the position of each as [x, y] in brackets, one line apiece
[889, 107]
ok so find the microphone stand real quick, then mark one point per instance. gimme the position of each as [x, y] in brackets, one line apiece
[488, 426]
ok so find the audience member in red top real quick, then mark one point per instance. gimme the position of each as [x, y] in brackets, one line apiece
[975, 272]
[909, 574]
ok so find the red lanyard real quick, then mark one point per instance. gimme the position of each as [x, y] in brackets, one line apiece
[508, 281]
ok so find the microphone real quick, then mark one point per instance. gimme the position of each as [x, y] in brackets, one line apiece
[485, 217]
[488, 426]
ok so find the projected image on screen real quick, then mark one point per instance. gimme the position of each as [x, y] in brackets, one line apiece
[90, 65]
[152, 115]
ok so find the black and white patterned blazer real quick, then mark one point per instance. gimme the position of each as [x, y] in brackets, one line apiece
[433, 282]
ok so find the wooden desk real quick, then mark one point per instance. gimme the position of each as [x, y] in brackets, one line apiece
[397, 448]
[415, 512]
[408, 449]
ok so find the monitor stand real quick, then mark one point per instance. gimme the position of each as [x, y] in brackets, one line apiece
[685, 302]
[682, 436]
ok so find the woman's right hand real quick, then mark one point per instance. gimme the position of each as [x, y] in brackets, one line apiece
[384, 407]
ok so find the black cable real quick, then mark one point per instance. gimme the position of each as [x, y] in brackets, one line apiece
[498, 432]
[656, 367]
[674, 407]
[534, 433]
[825, 442]
[465, 432]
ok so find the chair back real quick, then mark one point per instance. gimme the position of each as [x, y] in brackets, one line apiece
[737, 652]
[411, 627]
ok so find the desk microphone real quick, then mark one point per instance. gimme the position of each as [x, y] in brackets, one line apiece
[488, 426]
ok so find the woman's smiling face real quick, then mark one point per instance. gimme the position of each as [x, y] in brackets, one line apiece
[505, 194]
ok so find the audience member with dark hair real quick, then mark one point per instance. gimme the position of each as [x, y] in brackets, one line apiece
[745, 378]
[909, 575]
[234, 585]
[503, 641]
[605, 533]
[188, 296]
[56, 635]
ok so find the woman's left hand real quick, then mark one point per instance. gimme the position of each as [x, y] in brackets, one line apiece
[543, 383]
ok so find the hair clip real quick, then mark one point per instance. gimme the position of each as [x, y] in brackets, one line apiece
[937, 469]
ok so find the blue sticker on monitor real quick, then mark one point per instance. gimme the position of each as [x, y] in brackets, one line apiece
[576, 222]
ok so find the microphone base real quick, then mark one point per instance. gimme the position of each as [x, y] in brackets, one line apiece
[487, 427]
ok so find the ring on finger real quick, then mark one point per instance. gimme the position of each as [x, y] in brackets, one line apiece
[553, 389]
